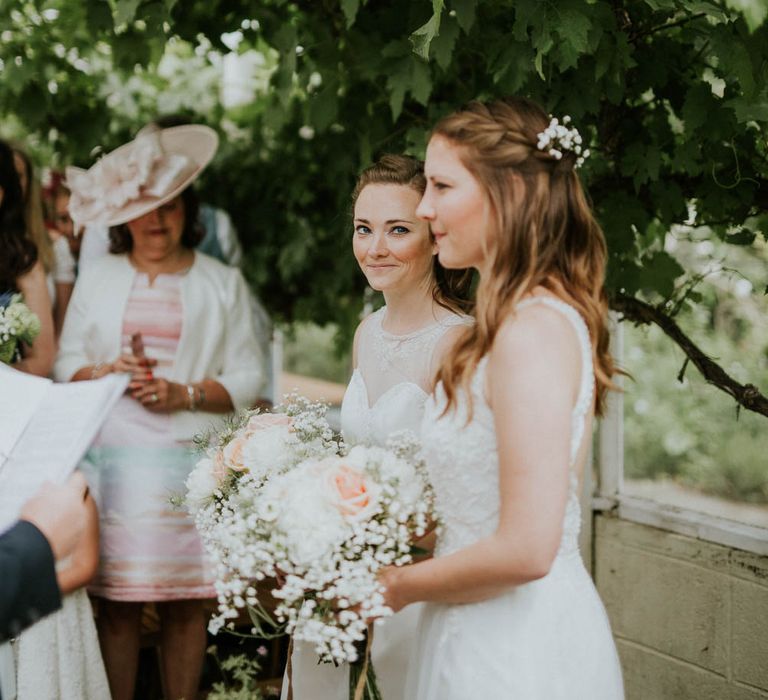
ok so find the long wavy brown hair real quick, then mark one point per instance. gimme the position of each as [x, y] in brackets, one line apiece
[544, 233]
[34, 216]
[19, 253]
[452, 288]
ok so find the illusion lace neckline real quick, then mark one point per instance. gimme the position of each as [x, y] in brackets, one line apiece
[401, 337]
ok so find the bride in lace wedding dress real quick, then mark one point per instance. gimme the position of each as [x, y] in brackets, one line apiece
[511, 612]
[396, 352]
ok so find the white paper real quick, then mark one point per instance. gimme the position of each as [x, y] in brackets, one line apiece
[61, 429]
[20, 397]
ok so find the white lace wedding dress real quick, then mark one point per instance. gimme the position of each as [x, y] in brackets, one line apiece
[386, 394]
[58, 658]
[546, 640]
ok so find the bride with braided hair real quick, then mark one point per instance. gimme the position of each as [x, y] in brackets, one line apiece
[511, 611]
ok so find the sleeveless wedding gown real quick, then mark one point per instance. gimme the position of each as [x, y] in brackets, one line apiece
[549, 639]
[386, 394]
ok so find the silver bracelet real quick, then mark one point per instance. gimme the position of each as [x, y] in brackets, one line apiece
[191, 395]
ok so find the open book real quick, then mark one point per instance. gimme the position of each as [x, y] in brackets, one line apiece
[45, 429]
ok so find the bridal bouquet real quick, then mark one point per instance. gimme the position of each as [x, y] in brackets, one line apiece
[323, 526]
[17, 325]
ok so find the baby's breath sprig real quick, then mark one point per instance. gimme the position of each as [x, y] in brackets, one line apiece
[221, 434]
[558, 138]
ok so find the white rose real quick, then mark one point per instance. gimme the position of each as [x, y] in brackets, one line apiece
[201, 483]
[267, 450]
[311, 525]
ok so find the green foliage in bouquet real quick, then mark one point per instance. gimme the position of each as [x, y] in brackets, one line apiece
[17, 325]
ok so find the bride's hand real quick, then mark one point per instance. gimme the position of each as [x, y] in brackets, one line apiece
[389, 578]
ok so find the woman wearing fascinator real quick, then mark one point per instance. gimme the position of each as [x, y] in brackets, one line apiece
[179, 323]
[511, 611]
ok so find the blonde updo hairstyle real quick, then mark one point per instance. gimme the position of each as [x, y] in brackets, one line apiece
[452, 287]
[544, 233]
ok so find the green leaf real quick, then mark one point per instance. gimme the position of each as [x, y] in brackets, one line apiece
[364, 146]
[734, 58]
[642, 162]
[743, 237]
[16, 77]
[620, 213]
[710, 8]
[697, 105]
[423, 36]
[285, 40]
[754, 11]
[749, 110]
[130, 49]
[465, 13]
[741, 64]
[662, 4]
[98, 17]
[323, 108]
[33, 104]
[444, 42]
[529, 13]
[350, 8]
[421, 82]
[659, 272]
[574, 28]
[125, 11]
[513, 66]
[416, 139]
[397, 88]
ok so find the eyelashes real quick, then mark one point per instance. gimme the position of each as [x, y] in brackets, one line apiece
[397, 230]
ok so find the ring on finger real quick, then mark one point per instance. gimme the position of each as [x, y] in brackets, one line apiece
[153, 398]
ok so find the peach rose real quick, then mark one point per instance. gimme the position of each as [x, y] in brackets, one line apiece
[233, 454]
[351, 492]
[219, 470]
[230, 458]
[262, 421]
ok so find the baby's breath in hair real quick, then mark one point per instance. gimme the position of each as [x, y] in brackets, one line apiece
[558, 138]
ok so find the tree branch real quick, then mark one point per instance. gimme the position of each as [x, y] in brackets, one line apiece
[639, 312]
[668, 25]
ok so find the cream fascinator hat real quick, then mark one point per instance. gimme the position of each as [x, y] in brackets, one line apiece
[141, 175]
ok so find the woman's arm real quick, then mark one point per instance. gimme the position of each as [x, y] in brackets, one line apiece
[532, 380]
[85, 558]
[38, 357]
[243, 368]
[163, 396]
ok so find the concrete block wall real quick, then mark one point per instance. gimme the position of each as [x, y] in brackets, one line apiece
[690, 617]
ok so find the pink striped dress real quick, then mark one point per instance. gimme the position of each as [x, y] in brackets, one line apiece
[150, 550]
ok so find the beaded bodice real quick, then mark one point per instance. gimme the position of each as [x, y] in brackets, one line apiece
[463, 459]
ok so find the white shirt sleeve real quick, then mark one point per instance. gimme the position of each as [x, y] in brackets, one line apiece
[95, 244]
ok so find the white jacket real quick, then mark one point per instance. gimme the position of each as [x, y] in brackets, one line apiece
[218, 339]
